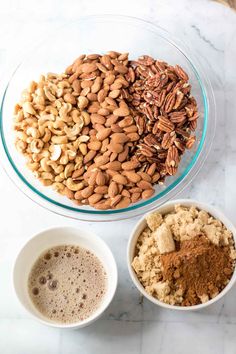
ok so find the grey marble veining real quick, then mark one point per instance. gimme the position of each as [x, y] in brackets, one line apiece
[130, 325]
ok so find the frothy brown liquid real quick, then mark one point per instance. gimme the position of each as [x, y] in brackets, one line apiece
[67, 284]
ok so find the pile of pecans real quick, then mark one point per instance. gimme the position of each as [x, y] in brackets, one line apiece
[108, 129]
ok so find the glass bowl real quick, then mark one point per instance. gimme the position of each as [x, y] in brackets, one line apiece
[98, 34]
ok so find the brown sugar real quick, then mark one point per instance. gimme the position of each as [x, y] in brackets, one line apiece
[198, 267]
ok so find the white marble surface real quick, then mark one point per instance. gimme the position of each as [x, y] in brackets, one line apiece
[128, 326]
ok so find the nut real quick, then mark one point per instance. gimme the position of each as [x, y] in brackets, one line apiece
[108, 129]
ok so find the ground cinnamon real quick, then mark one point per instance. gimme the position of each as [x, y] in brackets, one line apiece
[198, 267]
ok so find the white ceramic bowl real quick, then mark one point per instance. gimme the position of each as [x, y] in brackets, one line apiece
[166, 208]
[59, 236]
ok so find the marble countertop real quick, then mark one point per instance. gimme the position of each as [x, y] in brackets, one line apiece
[129, 325]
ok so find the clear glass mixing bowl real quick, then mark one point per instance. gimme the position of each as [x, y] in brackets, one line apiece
[98, 34]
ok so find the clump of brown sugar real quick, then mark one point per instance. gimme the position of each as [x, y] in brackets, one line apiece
[200, 268]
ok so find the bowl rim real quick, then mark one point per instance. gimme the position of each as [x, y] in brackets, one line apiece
[175, 187]
[89, 235]
[215, 212]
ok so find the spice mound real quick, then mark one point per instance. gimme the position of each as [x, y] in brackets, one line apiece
[108, 129]
[184, 258]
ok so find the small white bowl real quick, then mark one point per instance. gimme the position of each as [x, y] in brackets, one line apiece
[166, 208]
[54, 237]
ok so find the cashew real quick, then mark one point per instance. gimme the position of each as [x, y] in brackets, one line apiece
[34, 166]
[76, 116]
[58, 178]
[21, 135]
[83, 138]
[86, 118]
[58, 187]
[49, 94]
[21, 145]
[33, 132]
[52, 110]
[45, 182]
[28, 108]
[74, 131]
[44, 164]
[47, 135]
[26, 97]
[74, 186]
[36, 145]
[64, 160]
[59, 139]
[71, 154]
[47, 175]
[57, 168]
[68, 170]
[56, 152]
[64, 110]
[63, 84]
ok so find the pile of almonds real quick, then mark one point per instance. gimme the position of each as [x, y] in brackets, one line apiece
[108, 129]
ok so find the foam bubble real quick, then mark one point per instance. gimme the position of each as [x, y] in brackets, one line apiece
[35, 291]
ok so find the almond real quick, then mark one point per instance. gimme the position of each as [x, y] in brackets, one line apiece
[121, 112]
[135, 197]
[117, 148]
[133, 136]
[77, 173]
[155, 177]
[123, 155]
[113, 189]
[101, 190]
[111, 120]
[125, 193]
[111, 173]
[102, 94]
[78, 195]
[88, 68]
[89, 156]
[114, 165]
[103, 134]
[151, 170]
[114, 94]
[97, 118]
[92, 178]
[102, 205]
[104, 111]
[119, 138]
[116, 129]
[145, 176]
[124, 203]
[109, 79]
[105, 143]
[120, 179]
[132, 176]
[113, 156]
[130, 165]
[135, 190]
[94, 145]
[94, 198]
[101, 160]
[144, 185]
[100, 179]
[148, 193]
[86, 192]
[126, 122]
[115, 200]
[130, 129]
